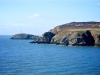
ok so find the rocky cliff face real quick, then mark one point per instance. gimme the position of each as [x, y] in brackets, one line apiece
[96, 37]
[46, 38]
[24, 36]
[69, 38]
[74, 38]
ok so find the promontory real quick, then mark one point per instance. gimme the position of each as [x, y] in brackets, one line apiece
[74, 34]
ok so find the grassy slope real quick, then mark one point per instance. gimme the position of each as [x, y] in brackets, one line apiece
[82, 30]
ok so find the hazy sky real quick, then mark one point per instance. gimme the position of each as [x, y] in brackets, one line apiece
[39, 16]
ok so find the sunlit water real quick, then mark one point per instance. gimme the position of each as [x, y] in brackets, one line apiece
[18, 57]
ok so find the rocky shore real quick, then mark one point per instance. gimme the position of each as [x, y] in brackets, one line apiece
[85, 38]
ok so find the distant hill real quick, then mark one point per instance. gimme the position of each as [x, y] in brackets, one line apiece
[25, 36]
[75, 25]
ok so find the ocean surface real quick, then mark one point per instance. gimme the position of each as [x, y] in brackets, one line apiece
[19, 57]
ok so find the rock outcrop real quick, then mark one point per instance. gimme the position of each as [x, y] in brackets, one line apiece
[97, 40]
[24, 36]
[46, 38]
[77, 38]
[69, 38]
[89, 39]
[96, 37]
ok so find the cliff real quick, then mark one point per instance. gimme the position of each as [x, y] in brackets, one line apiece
[46, 38]
[77, 38]
[74, 33]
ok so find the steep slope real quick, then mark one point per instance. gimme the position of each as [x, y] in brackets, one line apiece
[75, 25]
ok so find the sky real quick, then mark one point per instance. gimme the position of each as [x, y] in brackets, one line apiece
[39, 16]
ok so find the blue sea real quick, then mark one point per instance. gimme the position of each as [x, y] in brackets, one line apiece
[19, 57]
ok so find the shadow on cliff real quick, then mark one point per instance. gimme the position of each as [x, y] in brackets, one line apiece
[88, 38]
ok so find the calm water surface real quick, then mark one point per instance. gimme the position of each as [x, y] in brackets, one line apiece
[18, 57]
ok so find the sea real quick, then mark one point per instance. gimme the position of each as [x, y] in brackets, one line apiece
[19, 57]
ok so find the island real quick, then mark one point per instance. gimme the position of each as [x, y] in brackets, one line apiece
[24, 36]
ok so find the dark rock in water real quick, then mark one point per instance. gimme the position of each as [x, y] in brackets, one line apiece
[46, 38]
[24, 36]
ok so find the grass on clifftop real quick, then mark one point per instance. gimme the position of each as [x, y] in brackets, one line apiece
[98, 31]
[79, 30]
